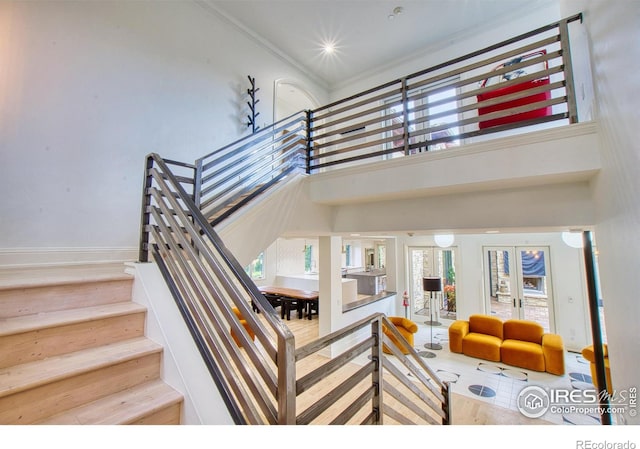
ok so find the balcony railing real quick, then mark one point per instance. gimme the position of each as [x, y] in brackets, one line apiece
[518, 83]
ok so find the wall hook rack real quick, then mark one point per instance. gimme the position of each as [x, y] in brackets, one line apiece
[252, 105]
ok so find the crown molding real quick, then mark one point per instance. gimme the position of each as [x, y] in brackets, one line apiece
[209, 6]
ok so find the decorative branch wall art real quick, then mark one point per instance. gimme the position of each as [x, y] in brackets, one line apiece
[252, 105]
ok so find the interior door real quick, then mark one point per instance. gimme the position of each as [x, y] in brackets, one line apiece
[518, 284]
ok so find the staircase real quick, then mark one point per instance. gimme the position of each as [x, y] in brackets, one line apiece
[73, 351]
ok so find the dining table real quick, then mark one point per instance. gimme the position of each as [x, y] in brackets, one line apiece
[304, 301]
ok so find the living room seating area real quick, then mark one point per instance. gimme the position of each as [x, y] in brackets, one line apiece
[514, 342]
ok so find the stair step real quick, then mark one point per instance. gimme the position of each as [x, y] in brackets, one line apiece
[34, 337]
[21, 299]
[32, 391]
[150, 403]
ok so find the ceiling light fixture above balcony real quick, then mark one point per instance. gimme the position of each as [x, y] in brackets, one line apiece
[396, 12]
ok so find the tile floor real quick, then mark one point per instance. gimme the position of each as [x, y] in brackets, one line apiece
[500, 384]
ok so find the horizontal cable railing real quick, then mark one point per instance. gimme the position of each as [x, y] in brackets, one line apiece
[251, 356]
[520, 82]
[233, 175]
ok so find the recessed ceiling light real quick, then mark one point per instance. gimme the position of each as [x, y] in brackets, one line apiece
[328, 48]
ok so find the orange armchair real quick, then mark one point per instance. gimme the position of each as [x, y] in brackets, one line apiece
[589, 354]
[406, 328]
[246, 326]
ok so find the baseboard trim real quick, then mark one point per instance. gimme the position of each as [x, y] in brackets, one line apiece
[44, 257]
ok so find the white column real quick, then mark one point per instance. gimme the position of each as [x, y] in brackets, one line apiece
[330, 283]
[391, 268]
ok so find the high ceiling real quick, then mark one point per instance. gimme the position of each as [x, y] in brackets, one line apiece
[366, 33]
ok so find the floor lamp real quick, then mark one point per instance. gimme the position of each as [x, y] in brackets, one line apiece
[432, 285]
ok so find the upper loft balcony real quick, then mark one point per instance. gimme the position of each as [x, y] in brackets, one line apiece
[560, 155]
[506, 116]
[501, 118]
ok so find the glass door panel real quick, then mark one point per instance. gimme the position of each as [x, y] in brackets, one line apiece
[500, 283]
[535, 296]
[518, 284]
[427, 262]
[420, 265]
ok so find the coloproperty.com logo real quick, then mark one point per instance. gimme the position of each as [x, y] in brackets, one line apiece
[534, 401]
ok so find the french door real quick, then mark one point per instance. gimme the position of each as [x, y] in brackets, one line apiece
[429, 261]
[518, 284]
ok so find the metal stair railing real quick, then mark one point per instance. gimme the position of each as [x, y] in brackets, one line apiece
[251, 356]
[366, 389]
[230, 177]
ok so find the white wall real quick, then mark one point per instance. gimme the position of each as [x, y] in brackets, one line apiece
[87, 89]
[614, 36]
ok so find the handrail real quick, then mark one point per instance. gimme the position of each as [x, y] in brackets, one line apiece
[424, 401]
[208, 282]
[228, 178]
[257, 379]
[443, 105]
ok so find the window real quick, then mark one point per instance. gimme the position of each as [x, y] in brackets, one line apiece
[440, 106]
[256, 268]
[382, 255]
[348, 255]
[308, 258]
[425, 110]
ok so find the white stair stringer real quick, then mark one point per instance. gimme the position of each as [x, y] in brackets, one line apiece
[282, 210]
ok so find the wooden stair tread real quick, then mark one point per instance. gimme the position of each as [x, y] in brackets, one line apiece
[27, 323]
[14, 278]
[18, 378]
[121, 408]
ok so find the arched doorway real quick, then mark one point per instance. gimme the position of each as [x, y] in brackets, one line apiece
[290, 97]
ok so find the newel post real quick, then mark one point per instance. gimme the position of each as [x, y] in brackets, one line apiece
[143, 254]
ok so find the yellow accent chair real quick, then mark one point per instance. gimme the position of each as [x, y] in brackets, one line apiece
[246, 326]
[406, 328]
[589, 354]
[519, 343]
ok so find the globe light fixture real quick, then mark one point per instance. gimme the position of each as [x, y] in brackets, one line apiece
[444, 240]
[572, 239]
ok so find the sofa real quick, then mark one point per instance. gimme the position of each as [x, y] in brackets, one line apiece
[519, 343]
[406, 328]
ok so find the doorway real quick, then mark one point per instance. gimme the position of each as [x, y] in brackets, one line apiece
[291, 97]
[430, 261]
[518, 284]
